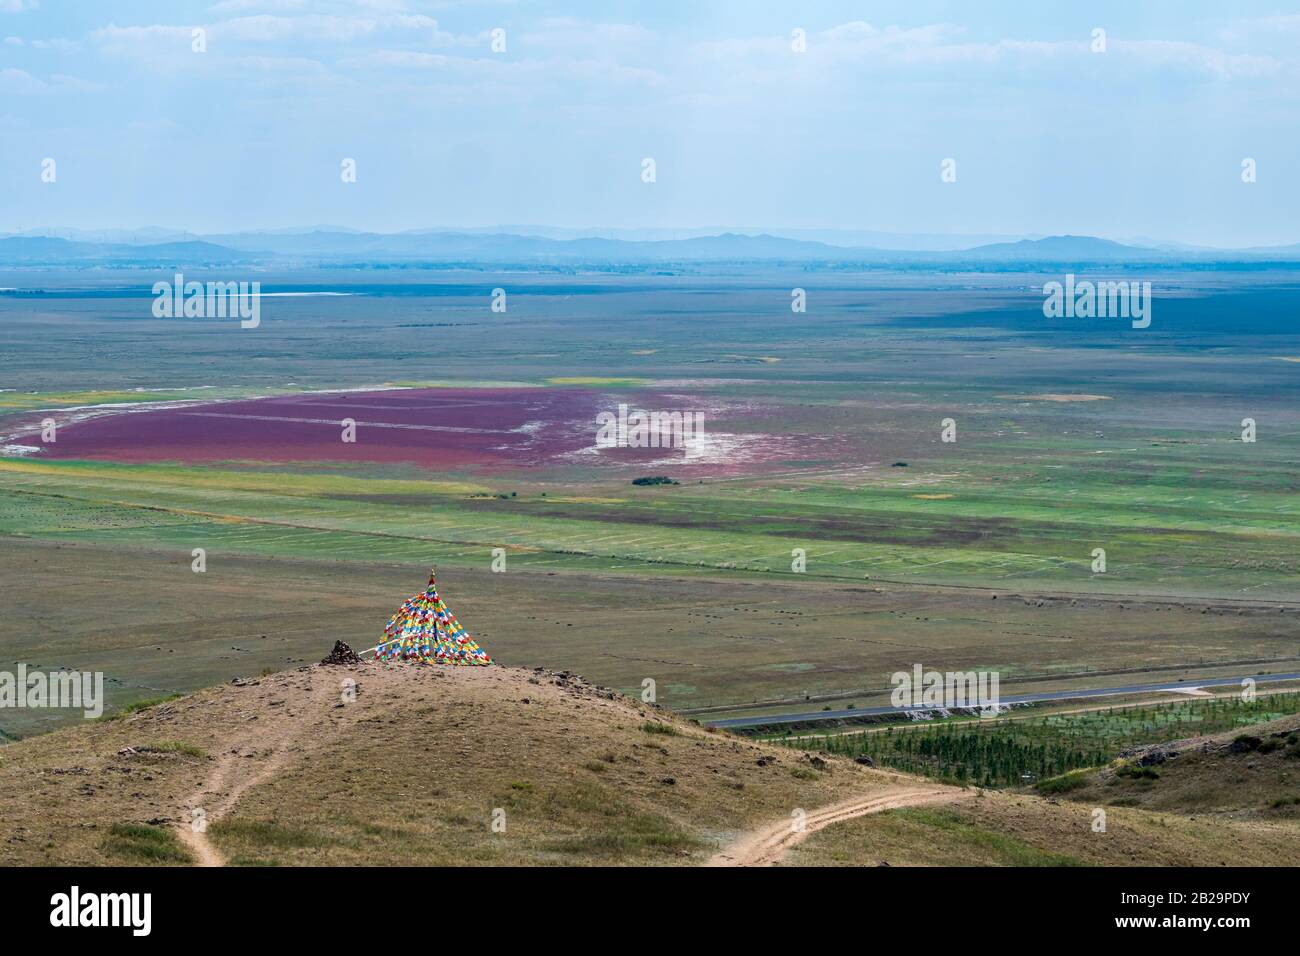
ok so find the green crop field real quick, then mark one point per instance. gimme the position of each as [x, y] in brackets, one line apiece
[998, 752]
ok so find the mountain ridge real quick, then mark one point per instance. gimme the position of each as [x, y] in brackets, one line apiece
[319, 247]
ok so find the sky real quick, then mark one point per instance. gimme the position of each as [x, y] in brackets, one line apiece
[748, 127]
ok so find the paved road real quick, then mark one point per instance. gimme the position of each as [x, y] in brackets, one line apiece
[1188, 684]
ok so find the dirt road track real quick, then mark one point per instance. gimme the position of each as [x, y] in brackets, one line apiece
[256, 755]
[766, 846]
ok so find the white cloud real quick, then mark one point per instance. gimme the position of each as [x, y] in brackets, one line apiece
[17, 81]
[526, 75]
[1261, 28]
[115, 35]
[569, 33]
[240, 6]
[18, 6]
[265, 28]
[941, 44]
[1195, 56]
[284, 64]
[402, 58]
[13, 80]
[272, 28]
[59, 44]
[325, 28]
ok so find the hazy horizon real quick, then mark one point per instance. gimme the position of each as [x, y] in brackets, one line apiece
[836, 118]
[865, 239]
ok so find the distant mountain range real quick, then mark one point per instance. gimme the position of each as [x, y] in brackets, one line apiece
[340, 247]
[49, 251]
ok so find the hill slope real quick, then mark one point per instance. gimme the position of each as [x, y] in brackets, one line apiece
[1244, 774]
[286, 771]
[1230, 799]
[425, 765]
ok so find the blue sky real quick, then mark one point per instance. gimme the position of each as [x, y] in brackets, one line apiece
[1144, 139]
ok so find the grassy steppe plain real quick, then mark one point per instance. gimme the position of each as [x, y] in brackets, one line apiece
[688, 585]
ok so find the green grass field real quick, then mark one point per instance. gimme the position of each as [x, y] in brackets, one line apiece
[989, 526]
[1000, 752]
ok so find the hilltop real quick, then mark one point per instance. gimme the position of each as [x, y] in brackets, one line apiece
[412, 765]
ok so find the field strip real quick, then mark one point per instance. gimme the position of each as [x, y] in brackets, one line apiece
[573, 541]
[615, 538]
[338, 423]
[692, 547]
[436, 406]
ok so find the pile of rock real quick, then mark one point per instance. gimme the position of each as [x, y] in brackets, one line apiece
[342, 654]
[574, 684]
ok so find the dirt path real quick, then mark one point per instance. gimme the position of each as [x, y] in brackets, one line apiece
[766, 845]
[256, 756]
